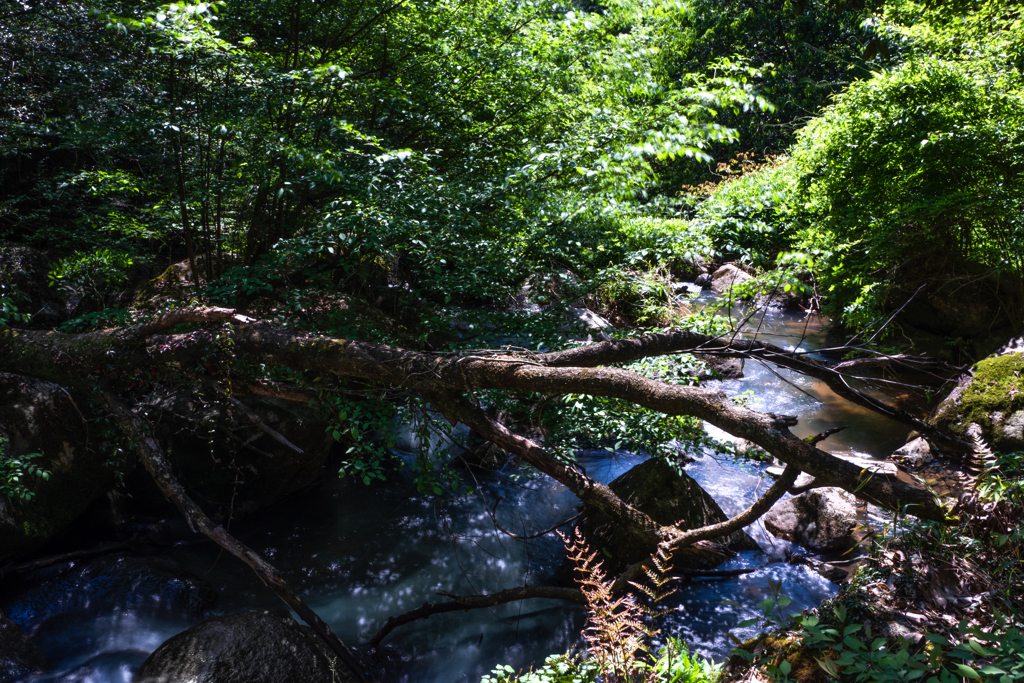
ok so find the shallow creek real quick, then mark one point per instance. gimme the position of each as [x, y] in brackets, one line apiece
[359, 554]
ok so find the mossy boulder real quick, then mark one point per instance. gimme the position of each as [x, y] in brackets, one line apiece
[992, 398]
[174, 282]
[40, 417]
[669, 497]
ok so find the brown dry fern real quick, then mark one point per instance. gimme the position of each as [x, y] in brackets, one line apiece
[617, 633]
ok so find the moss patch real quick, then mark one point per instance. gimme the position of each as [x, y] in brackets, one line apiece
[997, 386]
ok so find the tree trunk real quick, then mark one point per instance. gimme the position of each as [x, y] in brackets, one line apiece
[127, 354]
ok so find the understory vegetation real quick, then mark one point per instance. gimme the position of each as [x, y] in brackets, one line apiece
[463, 180]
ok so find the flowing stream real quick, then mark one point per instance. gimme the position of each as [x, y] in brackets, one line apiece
[360, 554]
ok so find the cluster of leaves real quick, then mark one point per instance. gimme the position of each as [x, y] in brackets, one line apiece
[579, 421]
[914, 160]
[16, 471]
[745, 215]
[673, 664]
[430, 154]
[849, 651]
[360, 425]
[804, 54]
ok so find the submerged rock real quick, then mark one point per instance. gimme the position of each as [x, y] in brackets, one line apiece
[258, 646]
[668, 496]
[58, 606]
[40, 417]
[820, 520]
[19, 657]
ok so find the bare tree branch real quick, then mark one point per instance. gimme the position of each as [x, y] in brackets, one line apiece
[152, 457]
[468, 602]
[255, 419]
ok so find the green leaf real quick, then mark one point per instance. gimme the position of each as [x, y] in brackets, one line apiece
[966, 671]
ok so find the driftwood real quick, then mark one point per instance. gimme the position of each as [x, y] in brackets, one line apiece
[50, 560]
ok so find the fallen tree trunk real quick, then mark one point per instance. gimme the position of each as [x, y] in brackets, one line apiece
[119, 359]
[72, 360]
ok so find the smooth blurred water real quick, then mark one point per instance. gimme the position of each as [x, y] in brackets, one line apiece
[360, 554]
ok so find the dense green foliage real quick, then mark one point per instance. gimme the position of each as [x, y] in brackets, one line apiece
[430, 155]
[16, 470]
[910, 176]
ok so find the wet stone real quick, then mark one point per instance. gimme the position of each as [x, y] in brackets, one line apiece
[257, 646]
[19, 657]
[669, 497]
[820, 520]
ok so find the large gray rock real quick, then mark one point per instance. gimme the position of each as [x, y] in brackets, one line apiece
[727, 277]
[18, 656]
[586, 324]
[820, 520]
[720, 366]
[669, 497]
[40, 417]
[258, 646]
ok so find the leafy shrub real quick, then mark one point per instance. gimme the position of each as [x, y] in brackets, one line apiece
[669, 242]
[916, 160]
[745, 215]
[114, 317]
[92, 275]
[849, 651]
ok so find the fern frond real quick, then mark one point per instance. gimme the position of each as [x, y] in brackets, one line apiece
[983, 461]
